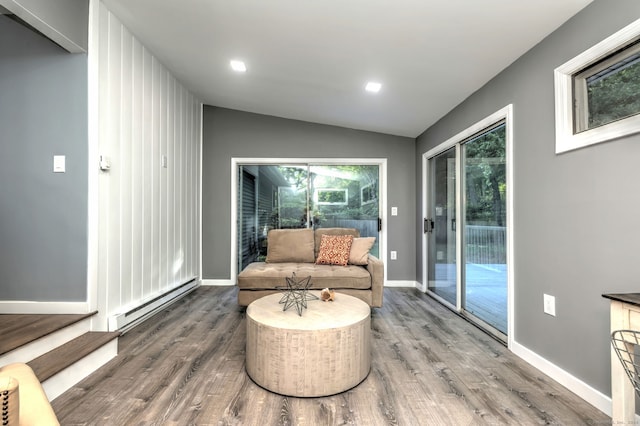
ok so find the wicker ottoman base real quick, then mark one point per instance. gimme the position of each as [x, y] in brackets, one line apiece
[325, 351]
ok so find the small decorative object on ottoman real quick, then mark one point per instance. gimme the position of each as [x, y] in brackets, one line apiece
[296, 293]
[327, 295]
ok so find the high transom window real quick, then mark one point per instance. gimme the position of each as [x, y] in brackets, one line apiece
[609, 90]
[597, 93]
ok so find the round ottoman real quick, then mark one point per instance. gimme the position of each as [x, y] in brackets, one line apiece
[325, 351]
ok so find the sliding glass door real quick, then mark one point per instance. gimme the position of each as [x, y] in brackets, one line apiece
[441, 227]
[466, 226]
[485, 228]
[278, 196]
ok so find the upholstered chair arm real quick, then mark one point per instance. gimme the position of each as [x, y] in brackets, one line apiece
[24, 391]
[376, 269]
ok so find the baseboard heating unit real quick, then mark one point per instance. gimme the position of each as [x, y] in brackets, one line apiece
[134, 316]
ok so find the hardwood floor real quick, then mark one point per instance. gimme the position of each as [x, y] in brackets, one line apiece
[429, 367]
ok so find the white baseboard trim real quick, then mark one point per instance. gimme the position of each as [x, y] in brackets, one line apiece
[29, 307]
[400, 283]
[575, 385]
[218, 282]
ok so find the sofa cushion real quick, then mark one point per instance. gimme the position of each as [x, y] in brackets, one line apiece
[261, 275]
[334, 250]
[318, 233]
[360, 247]
[290, 245]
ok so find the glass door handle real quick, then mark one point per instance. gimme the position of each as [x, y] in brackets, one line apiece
[428, 225]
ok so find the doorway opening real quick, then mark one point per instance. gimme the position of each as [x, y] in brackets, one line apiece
[467, 224]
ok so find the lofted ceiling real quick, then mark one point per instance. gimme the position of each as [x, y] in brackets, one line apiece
[310, 60]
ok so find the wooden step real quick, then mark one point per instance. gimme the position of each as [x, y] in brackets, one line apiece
[53, 362]
[18, 330]
[66, 365]
[26, 337]
[60, 348]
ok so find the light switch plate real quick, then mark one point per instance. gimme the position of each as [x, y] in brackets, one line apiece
[59, 164]
[549, 305]
[394, 211]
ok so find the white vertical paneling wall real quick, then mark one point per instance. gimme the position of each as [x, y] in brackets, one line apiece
[149, 199]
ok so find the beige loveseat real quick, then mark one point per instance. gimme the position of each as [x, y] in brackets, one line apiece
[24, 401]
[297, 250]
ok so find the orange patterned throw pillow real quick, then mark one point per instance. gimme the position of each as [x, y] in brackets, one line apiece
[334, 250]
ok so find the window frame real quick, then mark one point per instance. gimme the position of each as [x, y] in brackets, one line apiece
[368, 194]
[568, 75]
[316, 196]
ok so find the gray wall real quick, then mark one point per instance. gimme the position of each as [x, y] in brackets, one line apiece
[575, 214]
[228, 133]
[43, 216]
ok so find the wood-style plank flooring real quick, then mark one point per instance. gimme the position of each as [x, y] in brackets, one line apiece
[185, 366]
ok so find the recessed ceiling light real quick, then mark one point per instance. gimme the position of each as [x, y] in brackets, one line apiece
[238, 66]
[372, 86]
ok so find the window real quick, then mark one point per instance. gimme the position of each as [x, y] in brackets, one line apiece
[368, 194]
[330, 196]
[608, 91]
[598, 92]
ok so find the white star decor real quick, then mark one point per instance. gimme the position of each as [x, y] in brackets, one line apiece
[296, 293]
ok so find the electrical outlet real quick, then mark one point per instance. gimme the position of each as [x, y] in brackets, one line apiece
[549, 305]
[394, 211]
[394, 255]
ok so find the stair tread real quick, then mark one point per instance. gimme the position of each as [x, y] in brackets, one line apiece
[18, 330]
[63, 356]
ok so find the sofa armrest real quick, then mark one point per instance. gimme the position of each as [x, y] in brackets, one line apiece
[376, 269]
[34, 407]
[10, 400]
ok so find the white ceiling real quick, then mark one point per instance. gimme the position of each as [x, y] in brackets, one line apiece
[310, 60]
